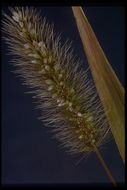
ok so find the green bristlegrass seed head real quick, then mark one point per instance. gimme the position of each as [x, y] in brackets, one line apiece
[64, 94]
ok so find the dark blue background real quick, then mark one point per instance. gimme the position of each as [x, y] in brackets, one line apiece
[29, 154]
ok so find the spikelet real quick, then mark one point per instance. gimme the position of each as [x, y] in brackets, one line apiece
[67, 99]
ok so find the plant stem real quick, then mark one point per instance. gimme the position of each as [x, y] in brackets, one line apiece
[105, 166]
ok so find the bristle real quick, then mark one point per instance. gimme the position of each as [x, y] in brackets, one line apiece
[67, 98]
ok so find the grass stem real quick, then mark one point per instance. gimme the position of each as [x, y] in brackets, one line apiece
[105, 166]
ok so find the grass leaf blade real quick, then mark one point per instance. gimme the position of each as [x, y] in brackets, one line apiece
[109, 88]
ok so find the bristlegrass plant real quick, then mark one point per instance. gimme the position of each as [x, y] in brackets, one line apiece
[67, 99]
